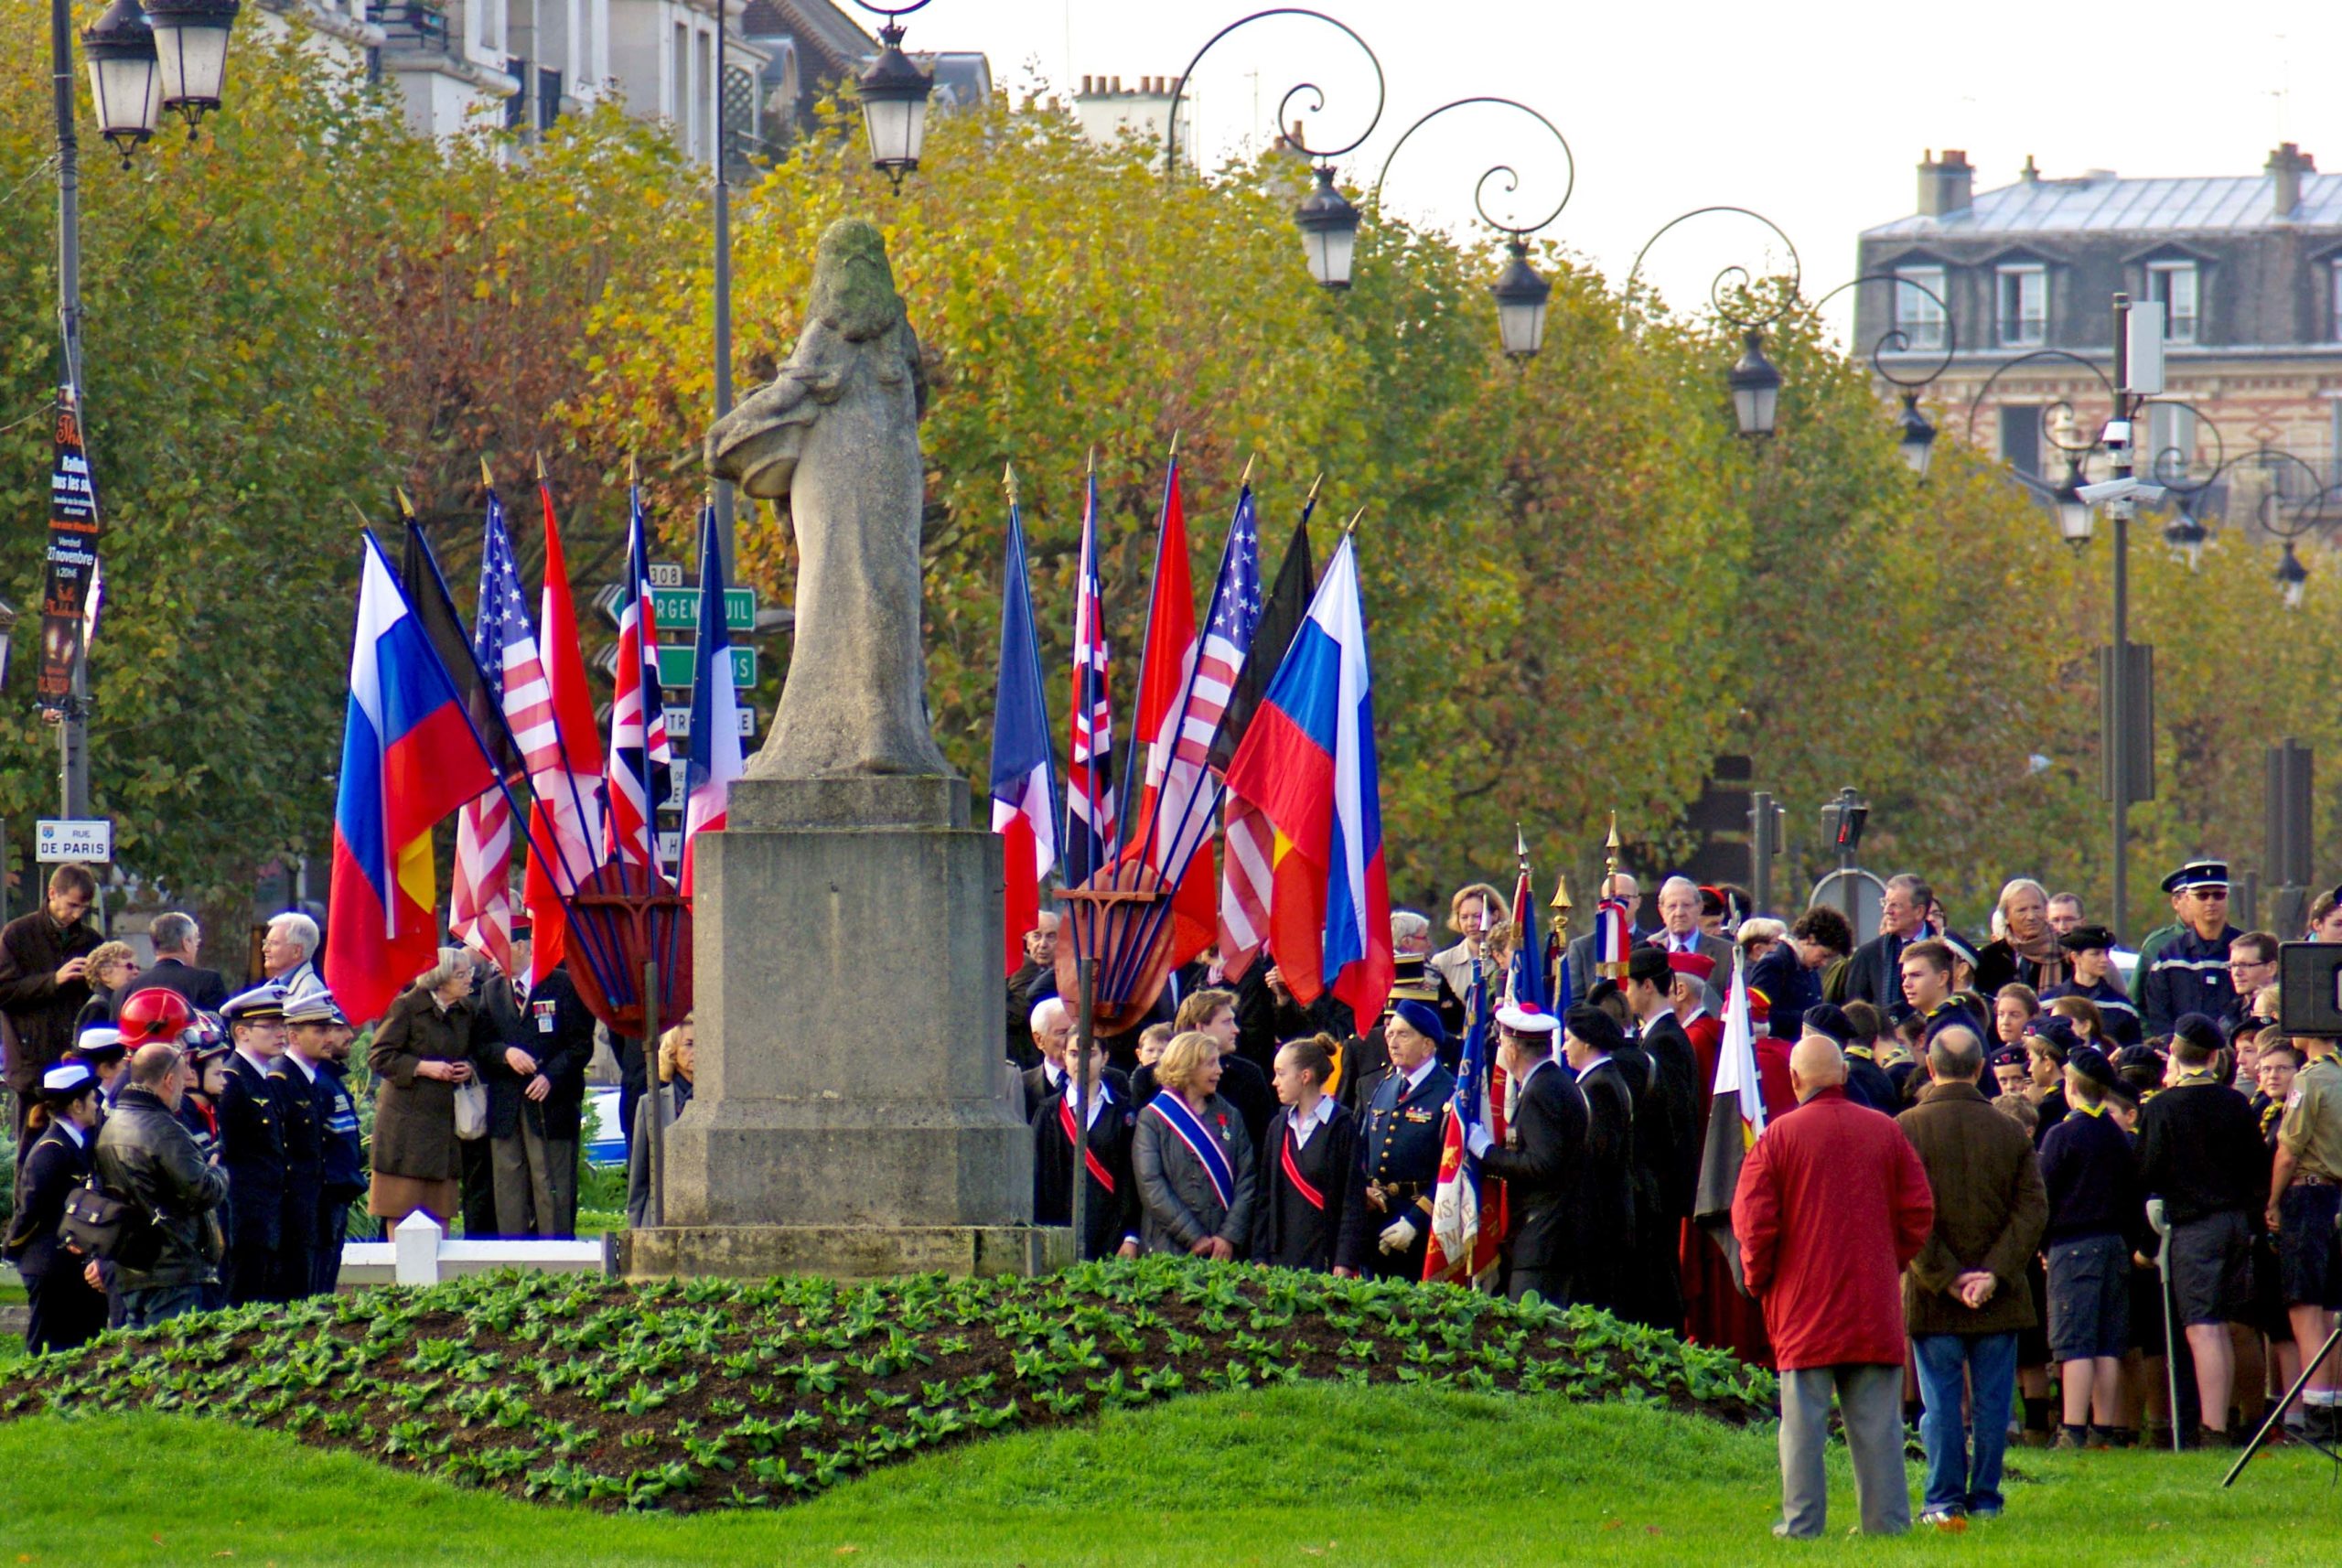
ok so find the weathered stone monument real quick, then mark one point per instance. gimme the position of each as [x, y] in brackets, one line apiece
[851, 1116]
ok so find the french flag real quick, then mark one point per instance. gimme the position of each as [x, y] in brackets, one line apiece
[1307, 762]
[714, 757]
[1023, 768]
[409, 756]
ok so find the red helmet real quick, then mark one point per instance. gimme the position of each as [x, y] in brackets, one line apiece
[154, 1014]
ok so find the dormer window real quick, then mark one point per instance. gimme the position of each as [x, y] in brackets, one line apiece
[2021, 312]
[2175, 286]
[1919, 308]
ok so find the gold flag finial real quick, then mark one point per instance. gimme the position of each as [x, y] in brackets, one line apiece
[1174, 446]
[1248, 470]
[406, 507]
[1008, 482]
[1092, 469]
[486, 474]
[541, 467]
[1351, 527]
[633, 473]
[1311, 499]
[1561, 900]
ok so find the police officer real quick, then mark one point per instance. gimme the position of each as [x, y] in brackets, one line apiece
[66, 1308]
[322, 1037]
[2190, 972]
[1401, 1147]
[307, 1107]
[2090, 950]
[252, 1144]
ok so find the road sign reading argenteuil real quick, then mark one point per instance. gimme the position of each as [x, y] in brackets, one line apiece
[67, 838]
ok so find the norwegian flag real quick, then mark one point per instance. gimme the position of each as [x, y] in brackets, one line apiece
[505, 647]
[1247, 841]
[1090, 773]
[636, 770]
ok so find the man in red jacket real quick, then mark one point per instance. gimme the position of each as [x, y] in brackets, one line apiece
[1831, 1204]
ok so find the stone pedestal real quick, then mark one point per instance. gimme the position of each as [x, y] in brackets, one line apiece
[851, 1112]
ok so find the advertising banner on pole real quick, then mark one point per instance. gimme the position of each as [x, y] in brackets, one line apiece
[73, 556]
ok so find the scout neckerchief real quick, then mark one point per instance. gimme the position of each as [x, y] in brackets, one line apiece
[1176, 1115]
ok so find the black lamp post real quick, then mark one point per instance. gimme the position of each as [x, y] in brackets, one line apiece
[894, 94]
[1326, 219]
[2292, 578]
[125, 78]
[1520, 292]
[1755, 380]
[1755, 388]
[1918, 440]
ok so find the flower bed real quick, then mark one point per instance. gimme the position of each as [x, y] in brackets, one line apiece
[713, 1393]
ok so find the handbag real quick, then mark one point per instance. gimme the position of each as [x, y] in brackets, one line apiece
[99, 1224]
[471, 1110]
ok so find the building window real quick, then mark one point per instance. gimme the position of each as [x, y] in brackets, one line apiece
[2022, 313]
[2173, 285]
[2333, 299]
[1918, 317]
[2171, 442]
[2021, 437]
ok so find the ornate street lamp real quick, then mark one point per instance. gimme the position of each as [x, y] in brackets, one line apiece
[1328, 223]
[1520, 292]
[1917, 442]
[894, 95]
[192, 45]
[2077, 518]
[2292, 578]
[2186, 535]
[125, 78]
[1755, 380]
[1755, 388]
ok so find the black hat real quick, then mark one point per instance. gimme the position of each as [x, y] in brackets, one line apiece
[2090, 1064]
[2142, 1059]
[2198, 873]
[1829, 1018]
[1603, 990]
[1596, 1027]
[2199, 1030]
[2057, 1034]
[2010, 1056]
[1650, 965]
[1422, 1018]
[2085, 939]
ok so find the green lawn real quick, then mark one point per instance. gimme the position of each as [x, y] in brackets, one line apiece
[1297, 1475]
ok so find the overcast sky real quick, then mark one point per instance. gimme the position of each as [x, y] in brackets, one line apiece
[1812, 112]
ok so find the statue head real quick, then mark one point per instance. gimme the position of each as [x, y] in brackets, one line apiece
[854, 319]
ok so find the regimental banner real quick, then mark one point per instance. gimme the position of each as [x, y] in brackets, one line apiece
[73, 556]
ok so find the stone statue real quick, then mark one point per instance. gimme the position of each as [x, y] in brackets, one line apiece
[836, 436]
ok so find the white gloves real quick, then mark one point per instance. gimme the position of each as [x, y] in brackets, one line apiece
[1480, 1141]
[1399, 1235]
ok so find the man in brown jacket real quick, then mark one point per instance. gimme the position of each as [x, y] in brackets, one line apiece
[43, 956]
[1965, 1295]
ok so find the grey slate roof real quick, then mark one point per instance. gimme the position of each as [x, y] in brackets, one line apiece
[2105, 204]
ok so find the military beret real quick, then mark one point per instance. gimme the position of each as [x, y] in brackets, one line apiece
[2087, 939]
[1423, 1019]
[2056, 1034]
[1597, 1028]
[2090, 1064]
[2198, 1030]
[1650, 965]
[1829, 1019]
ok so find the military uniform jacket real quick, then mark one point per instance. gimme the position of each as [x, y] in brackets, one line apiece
[252, 1151]
[2120, 1014]
[1400, 1145]
[344, 1171]
[303, 1131]
[54, 1167]
[2189, 975]
[1541, 1163]
[1112, 1215]
[1312, 1212]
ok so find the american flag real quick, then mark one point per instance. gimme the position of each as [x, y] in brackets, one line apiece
[1090, 776]
[480, 906]
[638, 754]
[1248, 843]
[1184, 797]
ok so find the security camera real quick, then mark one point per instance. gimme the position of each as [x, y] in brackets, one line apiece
[2117, 438]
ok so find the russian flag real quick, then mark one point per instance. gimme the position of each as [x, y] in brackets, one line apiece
[1023, 768]
[1307, 761]
[714, 757]
[409, 757]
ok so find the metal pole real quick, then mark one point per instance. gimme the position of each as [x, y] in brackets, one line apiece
[72, 740]
[657, 1160]
[725, 525]
[1760, 851]
[1085, 1031]
[2117, 666]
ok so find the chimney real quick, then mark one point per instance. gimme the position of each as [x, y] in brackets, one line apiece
[2287, 165]
[1085, 86]
[2031, 173]
[1945, 185]
[1118, 85]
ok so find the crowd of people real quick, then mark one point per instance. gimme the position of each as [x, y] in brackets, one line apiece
[229, 1126]
[2006, 1193]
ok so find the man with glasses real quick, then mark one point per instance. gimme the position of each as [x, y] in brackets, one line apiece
[2253, 963]
[43, 957]
[1875, 973]
[2190, 974]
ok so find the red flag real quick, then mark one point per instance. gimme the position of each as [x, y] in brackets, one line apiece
[566, 818]
[1169, 661]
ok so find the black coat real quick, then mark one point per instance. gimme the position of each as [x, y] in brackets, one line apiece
[40, 1012]
[1541, 1163]
[559, 1032]
[252, 1151]
[2188, 975]
[1029, 987]
[1606, 1211]
[1676, 1161]
[144, 1155]
[1292, 1232]
[1112, 1212]
[499, 1013]
[53, 1167]
[204, 988]
[304, 1134]
[1039, 1088]
[342, 1177]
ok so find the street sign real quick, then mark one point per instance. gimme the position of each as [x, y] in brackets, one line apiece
[666, 574]
[678, 796]
[677, 609]
[670, 845]
[676, 665]
[679, 722]
[68, 838]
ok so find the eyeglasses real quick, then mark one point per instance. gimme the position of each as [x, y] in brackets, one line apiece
[2236, 963]
[2211, 895]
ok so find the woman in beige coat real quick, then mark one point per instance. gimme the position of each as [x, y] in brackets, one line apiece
[425, 1046]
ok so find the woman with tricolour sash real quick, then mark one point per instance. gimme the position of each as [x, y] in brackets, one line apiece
[1193, 1158]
